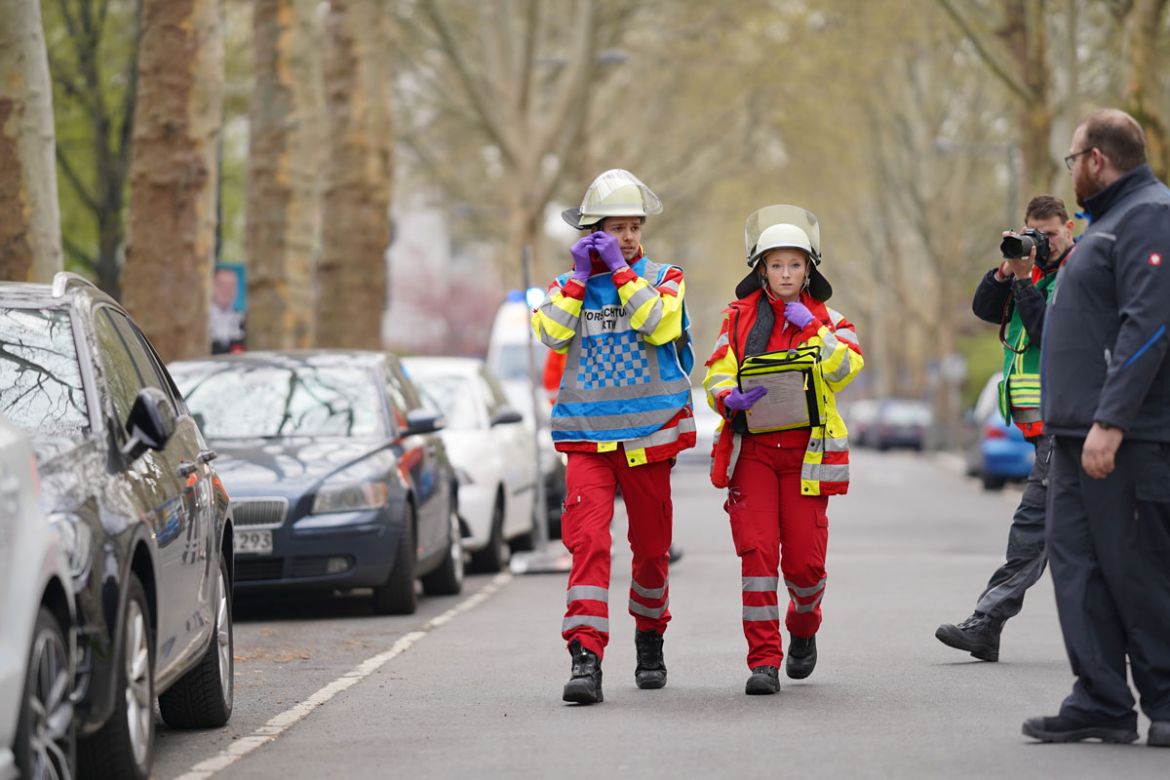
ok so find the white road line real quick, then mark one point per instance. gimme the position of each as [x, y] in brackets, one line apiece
[282, 722]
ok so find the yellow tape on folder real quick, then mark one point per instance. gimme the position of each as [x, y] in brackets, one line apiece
[796, 389]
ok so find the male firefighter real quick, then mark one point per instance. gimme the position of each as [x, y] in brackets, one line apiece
[1013, 295]
[622, 413]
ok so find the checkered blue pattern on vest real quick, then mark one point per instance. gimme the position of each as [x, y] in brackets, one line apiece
[616, 361]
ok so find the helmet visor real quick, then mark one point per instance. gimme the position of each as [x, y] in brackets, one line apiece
[761, 220]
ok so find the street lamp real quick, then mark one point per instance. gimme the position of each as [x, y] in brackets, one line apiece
[946, 145]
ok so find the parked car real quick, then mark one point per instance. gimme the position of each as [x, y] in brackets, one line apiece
[338, 476]
[538, 424]
[493, 454]
[999, 453]
[38, 648]
[901, 422]
[127, 475]
[860, 416]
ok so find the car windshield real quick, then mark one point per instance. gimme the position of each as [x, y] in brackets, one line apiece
[248, 401]
[454, 396]
[40, 378]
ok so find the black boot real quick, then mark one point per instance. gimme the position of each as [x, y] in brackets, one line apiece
[651, 669]
[802, 656]
[584, 686]
[764, 680]
[978, 635]
[1063, 729]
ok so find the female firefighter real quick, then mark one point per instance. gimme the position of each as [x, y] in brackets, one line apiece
[779, 481]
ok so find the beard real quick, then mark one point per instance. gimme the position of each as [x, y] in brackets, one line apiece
[1085, 185]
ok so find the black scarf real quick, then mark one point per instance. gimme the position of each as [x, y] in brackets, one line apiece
[757, 340]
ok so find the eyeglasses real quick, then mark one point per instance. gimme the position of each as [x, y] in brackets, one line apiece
[1068, 160]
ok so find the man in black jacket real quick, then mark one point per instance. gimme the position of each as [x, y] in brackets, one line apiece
[1013, 295]
[1106, 398]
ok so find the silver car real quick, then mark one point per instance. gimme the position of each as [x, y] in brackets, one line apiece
[37, 638]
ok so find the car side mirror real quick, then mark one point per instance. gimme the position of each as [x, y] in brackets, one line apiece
[420, 421]
[151, 424]
[506, 415]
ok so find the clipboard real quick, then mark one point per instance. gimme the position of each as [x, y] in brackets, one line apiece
[796, 391]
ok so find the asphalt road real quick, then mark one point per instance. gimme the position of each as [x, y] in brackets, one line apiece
[470, 686]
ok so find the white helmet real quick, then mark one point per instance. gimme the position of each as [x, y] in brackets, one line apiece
[782, 236]
[779, 227]
[615, 193]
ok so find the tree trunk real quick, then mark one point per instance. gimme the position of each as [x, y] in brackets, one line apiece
[351, 276]
[1027, 38]
[1143, 82]
[283, 208]
[171, 235]
[30, 224]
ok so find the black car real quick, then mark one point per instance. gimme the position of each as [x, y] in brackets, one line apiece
[337, 475]
[126, 474]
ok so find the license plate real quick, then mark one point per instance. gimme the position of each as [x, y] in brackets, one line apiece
[255, 542]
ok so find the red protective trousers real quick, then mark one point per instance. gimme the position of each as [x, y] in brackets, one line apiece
[777, 529]
[591, 482]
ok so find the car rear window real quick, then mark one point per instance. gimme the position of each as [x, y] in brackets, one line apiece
[41, 388]
[248, 401]
[454, 396]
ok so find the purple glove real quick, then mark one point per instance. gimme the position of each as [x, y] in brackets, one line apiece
[798, 314]
[581, 262]
[739, 402]
[609, 250]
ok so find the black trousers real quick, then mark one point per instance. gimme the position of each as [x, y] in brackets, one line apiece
[1025, 558]
[1109, 545]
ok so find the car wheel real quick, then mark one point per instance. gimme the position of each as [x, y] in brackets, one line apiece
[202, 698]
[493, 557]
[447, 580]
[45, 734]
[993, 483]
[124, 746]
[397, 595]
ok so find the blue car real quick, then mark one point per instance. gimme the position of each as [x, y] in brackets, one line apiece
[1006, 454]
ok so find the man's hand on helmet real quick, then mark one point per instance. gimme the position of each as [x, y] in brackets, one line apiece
[609, 250]
[581, 261]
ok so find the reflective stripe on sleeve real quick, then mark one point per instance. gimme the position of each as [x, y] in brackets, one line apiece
[820, 472]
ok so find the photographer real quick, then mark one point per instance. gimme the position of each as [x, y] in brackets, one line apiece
[1014, 295]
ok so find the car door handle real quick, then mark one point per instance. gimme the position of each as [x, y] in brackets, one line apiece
[187, 468]
[206, 456]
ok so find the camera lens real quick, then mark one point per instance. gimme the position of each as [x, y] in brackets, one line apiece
[1015, 247]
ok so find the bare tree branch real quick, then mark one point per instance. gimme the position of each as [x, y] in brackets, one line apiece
[979, 36]
[472, 87]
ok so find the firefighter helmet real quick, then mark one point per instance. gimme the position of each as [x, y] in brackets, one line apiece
[615, 193]
[778, 227]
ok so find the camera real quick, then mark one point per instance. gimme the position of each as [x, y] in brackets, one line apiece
[1019, 245]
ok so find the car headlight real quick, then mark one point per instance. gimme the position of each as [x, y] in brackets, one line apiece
[350, 498]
